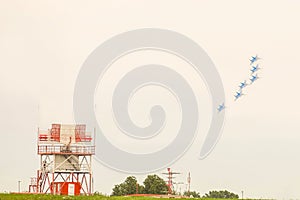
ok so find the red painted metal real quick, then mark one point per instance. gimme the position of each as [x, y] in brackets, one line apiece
[170, 180]
[57, 180]
[62, 188]
[55, 132]
[57, 183]
[33, 185]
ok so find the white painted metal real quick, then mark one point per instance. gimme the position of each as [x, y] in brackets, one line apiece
[71, 189]
[67, 132]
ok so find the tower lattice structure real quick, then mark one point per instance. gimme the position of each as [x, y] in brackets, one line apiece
[65, 161]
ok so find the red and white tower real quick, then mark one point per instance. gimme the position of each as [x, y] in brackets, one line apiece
[170, 180]
[65, 160]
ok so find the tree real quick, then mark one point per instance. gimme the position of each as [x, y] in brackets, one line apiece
[119, 190]
[192, 193]
[221, 195]
[129, 186]
[155, 185]
[141, 189]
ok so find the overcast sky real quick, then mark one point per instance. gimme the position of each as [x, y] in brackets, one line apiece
[43, 45]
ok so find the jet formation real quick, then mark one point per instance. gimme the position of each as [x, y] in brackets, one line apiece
[253, 78]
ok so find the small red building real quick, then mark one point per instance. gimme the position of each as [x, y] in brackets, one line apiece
[66, 188]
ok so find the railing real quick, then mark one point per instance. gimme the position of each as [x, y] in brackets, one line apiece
[56, 138]
[46, 137]
[77, 150]
[33, 181]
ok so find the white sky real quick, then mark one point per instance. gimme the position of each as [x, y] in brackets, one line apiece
[44, 43]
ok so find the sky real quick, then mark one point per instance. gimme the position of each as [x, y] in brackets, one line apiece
[43, 45]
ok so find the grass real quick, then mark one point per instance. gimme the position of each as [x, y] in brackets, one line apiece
[56, 197]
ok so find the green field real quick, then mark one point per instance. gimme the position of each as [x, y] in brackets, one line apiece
[42, 196]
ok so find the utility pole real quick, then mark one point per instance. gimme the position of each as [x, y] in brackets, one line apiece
[189, 182]
[179, 183]
[242, 194]
[19, 186]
